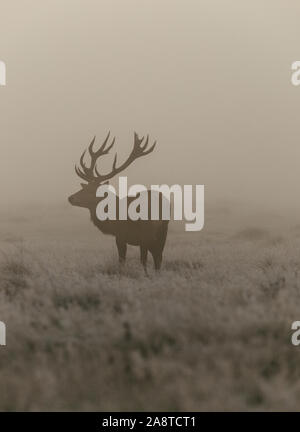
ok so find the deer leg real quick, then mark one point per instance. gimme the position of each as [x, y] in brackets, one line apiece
[158, 261]
[144, 253]
[122, 248]
[157, 258]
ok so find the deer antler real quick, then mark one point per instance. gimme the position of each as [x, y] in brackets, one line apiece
[91, 173]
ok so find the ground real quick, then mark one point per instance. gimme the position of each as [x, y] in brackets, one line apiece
[212, 331]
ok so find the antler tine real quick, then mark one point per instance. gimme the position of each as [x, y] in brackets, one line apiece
[140, 150]
[115, 162]
[81, 161]
[91, 146]
[80, 173]
[82, 170]
[143, 147]
[150, 149]
[105, 151]
[102, 149]
[137, 140]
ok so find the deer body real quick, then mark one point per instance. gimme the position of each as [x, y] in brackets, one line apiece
[149, 235]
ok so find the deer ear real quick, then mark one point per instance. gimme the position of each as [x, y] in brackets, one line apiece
[83, 185]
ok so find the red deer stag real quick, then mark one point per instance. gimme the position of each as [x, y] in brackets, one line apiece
[149, 235]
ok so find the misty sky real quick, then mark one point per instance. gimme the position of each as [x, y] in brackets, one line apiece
[210, 80]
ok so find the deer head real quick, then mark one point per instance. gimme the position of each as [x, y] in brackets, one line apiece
[86, 197]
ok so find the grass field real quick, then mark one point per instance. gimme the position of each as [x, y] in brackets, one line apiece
[210, 332]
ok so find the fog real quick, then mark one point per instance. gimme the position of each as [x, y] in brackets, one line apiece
[210, 80]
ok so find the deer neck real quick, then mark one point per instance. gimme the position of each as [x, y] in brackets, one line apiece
[106, 227]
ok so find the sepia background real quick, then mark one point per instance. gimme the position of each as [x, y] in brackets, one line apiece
[210, 80]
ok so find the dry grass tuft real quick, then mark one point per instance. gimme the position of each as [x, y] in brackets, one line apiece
[210, 332]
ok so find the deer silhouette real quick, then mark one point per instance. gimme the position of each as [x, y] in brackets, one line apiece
[149, 235]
